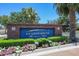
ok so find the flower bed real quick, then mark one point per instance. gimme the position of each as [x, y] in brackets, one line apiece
[23, 45]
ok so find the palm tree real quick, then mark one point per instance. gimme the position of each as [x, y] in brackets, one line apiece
[30, 15]
[69, 10]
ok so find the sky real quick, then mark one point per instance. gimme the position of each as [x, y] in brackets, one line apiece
[46, 11]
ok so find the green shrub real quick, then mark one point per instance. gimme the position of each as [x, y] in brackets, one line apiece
[58, 38]
[21, 42]
[42, 41]
[16, 42]
[30, 41]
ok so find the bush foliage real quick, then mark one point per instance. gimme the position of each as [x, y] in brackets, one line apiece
[16, 42]
[22, 42]
[58, 38]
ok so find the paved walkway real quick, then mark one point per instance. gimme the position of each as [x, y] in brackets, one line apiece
[70, 52]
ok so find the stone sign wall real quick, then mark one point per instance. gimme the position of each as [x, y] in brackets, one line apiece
[33, 30]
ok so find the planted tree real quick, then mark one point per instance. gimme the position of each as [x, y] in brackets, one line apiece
[70, 10]
[26, 15]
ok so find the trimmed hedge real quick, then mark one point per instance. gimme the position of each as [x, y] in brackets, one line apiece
[21, 42]
[16, 42]
[58, 39]
[42, 41]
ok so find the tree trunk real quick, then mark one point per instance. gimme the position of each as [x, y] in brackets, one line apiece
[72, 25]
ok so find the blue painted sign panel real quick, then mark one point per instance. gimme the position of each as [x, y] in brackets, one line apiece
[36, 32]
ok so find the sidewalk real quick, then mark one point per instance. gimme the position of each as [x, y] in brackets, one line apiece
[70, 52]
